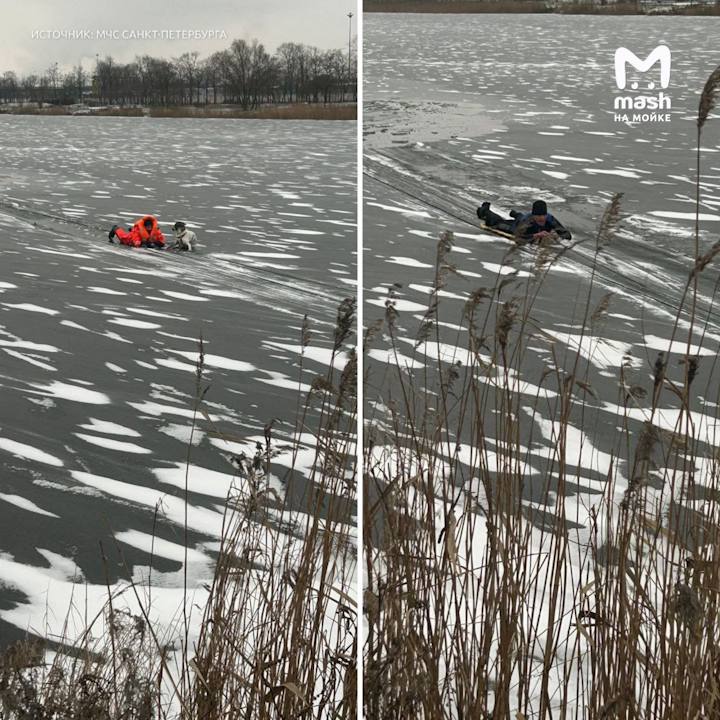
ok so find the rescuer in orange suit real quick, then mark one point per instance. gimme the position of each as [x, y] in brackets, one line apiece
[144, 232]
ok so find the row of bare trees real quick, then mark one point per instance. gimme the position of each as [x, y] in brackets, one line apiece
[245, 74]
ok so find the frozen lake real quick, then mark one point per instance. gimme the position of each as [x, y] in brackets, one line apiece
[508, 108]
[99, 343]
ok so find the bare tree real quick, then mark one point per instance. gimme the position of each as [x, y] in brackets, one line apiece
[53, 79]
[9, 87]
[216, 73]
[244, 74]
[187, 69]
[79, 80]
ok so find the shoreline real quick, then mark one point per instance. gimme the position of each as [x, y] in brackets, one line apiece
[470, 7]
[335, 111]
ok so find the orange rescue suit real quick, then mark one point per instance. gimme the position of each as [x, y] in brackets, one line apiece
[139, 233]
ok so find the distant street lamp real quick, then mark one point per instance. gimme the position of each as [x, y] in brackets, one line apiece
[96, 89]
[350, 17]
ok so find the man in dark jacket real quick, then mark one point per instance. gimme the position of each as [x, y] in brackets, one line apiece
[532, 226]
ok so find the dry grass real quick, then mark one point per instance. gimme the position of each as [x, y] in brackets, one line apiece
[282, 643]
[111, 676]
[33, 110]
[119, 112]
[301, 111]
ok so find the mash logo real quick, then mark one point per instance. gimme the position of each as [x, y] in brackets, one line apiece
[623, 58]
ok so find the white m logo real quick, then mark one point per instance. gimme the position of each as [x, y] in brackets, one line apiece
[623, 57]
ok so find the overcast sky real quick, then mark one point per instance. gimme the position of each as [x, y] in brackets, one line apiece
[323, 23]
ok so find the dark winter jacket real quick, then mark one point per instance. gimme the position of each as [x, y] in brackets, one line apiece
[528, 227]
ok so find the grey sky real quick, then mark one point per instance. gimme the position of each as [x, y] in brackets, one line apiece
[323, 23]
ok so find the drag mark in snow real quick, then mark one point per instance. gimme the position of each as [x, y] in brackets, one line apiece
[279, 256]
[404, 211]
[57, 252]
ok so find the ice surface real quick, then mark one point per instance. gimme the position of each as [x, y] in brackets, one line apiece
[568, 150]
[108, 381]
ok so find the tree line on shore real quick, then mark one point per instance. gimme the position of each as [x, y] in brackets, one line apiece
[245, 74]
[612, 7]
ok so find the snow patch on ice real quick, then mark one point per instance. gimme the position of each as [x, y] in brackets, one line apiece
[29, 307]
[110, 444]
[25, 504]
[109, 428]
[28, 452]
[216, 361]
[104, 291]
[138, 324]
[183, 296]
[65, 391]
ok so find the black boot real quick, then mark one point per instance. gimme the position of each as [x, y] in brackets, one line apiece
[482, 210]
[514, 214]
[111, 234]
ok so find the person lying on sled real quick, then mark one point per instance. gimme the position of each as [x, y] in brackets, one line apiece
[532, 226]
[144, 232]
[184, 239]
